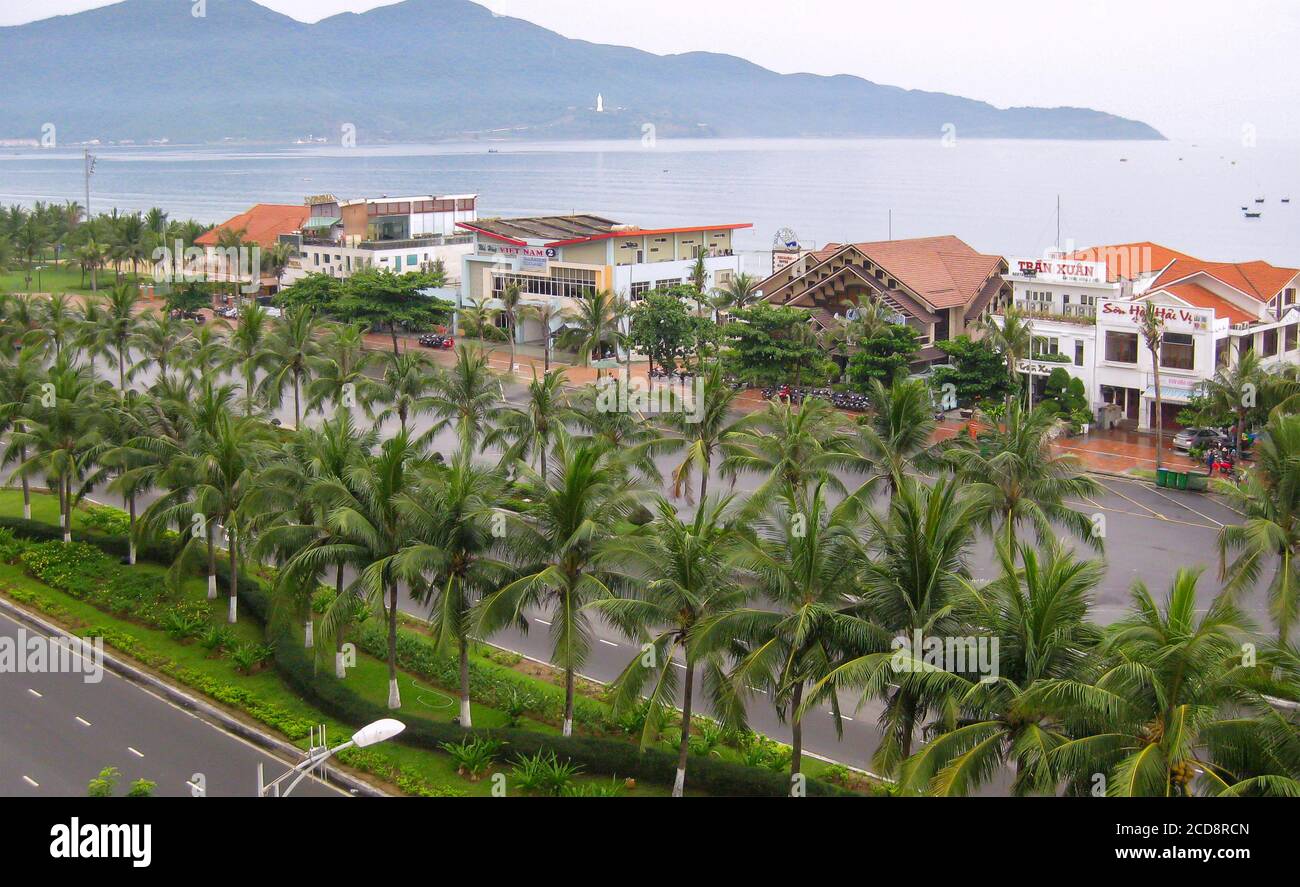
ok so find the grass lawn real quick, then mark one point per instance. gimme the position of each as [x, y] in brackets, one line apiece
[63, 279]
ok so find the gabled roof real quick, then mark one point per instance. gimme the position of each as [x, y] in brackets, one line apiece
[1257, 279]
[1199, 297]
[1130, 260]
[944, 272]
[262, 225]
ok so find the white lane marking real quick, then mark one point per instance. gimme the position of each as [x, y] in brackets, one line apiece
[607, 643]
[679, 665]
[32, 782]
[34, 693]
[543, 621]
[138, 754]
[83, 721]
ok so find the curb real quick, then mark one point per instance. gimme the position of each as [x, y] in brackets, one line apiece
[208, 712]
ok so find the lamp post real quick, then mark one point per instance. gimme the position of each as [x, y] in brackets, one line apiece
[371, 734]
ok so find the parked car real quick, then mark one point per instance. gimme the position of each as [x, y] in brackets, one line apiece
[1190, 438]
[436, 340]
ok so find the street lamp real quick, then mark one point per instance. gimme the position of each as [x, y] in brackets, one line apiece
[371, 734]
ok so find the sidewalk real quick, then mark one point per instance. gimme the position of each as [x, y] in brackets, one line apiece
[1110, 452]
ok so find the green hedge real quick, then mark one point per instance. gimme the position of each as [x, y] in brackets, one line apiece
[608, 757]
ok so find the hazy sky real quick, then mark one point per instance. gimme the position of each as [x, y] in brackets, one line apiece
[1192, 68]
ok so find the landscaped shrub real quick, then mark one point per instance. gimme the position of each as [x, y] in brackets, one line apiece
[106, 520]
[11, 547]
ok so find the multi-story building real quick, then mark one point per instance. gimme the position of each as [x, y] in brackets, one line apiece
[1087, 308]
[939, 286]
[558, 259]
[259, 227]
[339, 237]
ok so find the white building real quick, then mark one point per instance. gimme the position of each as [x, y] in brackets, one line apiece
[558, 259]
[1088, 306]
[398, 233]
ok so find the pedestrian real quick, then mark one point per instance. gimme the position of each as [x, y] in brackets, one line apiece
[1209, 461]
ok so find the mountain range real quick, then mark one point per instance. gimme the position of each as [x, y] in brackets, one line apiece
[440, 69]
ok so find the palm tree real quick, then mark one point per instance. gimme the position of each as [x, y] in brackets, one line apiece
[546, 314]
[1013, 336]
[1233, 389]
[248, 352]
[561, 523]
[291, 349]
[803, 556]
[32, 239]
[1018, 477]
[162, 342]
[60, 321]
[211, 352]
[62, 436]
[132, 242]
[449, 564]
[210, 481]
[512, 305]
[469, 395]
[1174, 698]
[531, 428]
[593, 326]
[275, 260]
[910, 586]
[1268, 498]
[684, 573]
[19, 379]
[122, 326]
[1152, 330]
[739, 292]
[702, 434]
[93, 336]
[629, 434]
[91, 256]
[792, 447]
[339, 370]
[1039, 615]
[366, 525]
[896, 433]
[407, 386]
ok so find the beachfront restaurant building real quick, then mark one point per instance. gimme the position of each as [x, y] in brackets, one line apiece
[1087, 309]
[556, 260]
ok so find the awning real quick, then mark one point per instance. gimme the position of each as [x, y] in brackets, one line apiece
[1170, 395]
[322, 221]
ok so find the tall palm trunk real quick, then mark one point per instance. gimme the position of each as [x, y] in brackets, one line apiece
[796, 735]
[465, 714]
[394, 694]
[684, 747]
[1160, 412]
[65, 508]
[27, 487]
[568, 701]
[212, 561]
[340, 667]
[130, 510]
[233, 616]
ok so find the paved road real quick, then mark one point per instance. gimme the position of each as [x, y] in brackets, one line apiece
[1149, 534]
[57, 732]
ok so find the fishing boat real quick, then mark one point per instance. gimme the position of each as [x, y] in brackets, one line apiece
[1259, 199]
[1254, 215]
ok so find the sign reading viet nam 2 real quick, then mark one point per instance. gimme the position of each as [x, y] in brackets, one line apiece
[1173, 317]
[530, 258]
[1071, 270]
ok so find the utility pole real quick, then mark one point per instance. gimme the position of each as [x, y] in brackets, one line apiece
[1058, 221]
[88, 168]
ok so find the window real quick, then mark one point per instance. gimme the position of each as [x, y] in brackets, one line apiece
[1221, 351]
[667, 284]
[1288, 298]
[1269, 347]
[1291, 342]
[639, 290]
[571, 283]
[1046, 345]
[1121, 347]
[1078, 352]
[1178, 351]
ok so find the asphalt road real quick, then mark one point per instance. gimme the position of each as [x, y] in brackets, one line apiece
[58, 731]
[1149, 534]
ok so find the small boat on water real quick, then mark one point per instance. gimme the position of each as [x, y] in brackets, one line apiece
[1259, 199]
[1286, 199]
[1254, 215]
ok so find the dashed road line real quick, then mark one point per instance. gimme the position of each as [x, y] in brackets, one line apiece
[607, 643]
[83, 721]
[36, 694]
[32, 782]
[138, 754]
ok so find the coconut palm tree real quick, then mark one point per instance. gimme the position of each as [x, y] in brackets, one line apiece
[163, 342]
[91, 256]
[1268, 498]
[530, 429]
[31, 239]
[211, 352]
[366, 526]
[702, 432]
[562, 520]
[1011, 334]
[338, 372]
[407, 387]
[1152, 329]
[511, 301]
[739, 292]
[1176, 706]
[1039, 615]
[19, 378]
[685, 573]
[804, 556]
[291, 348]
[122, 326]
[60, 321]
[1018, 477]
[92, 337]
[449, 563]
[546, 313]
[896, 434]
[628, 433]
[61, 435]
[593, 326]
[249, 351]
[910, 586]
[469, 395]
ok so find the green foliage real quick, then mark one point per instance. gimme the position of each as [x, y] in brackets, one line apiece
[472, 756]
[110, 521]
[317, 290]
[977, 370]
[664, 328]
[142, 788]
[771, 345]
[381, 298]
[544, 773]
[102, 785]
[188, 297]
[884, 356]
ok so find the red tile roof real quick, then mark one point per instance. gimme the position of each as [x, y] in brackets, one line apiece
[1198, 296]
[1130, 260]
[944, 271]
[1257, 279]
[262, 225]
